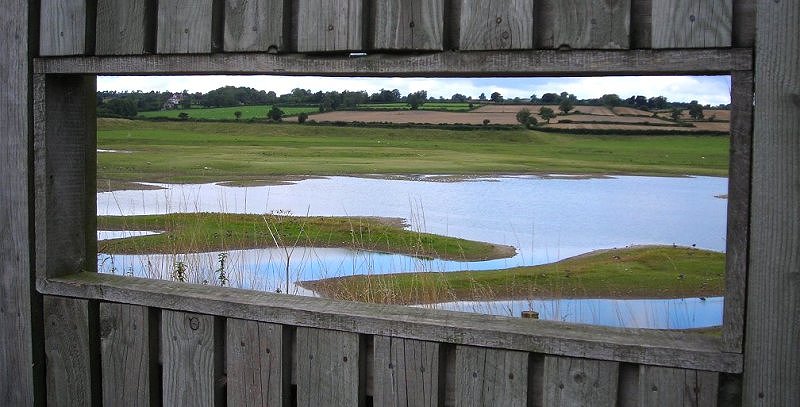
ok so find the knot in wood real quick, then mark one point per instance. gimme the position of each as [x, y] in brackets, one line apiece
[474, 374]
[578, 377]
[498, 20]
[505, 35]
[330, 27]
[344, 359]
[411, 24]
[194, 323]
[186, 31]
[692, 18]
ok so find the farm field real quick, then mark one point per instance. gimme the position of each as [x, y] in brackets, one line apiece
[448, 106]
[227, 113]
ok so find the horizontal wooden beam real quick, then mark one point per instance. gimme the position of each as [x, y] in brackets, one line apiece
[441, 64]
[649, 347]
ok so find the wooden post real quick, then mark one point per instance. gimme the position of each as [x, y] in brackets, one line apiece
[692, 23]
[772, 336]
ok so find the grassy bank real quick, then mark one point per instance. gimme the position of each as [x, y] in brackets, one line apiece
[204, 232]
[228, 113]
[201, 152]
[638, 272]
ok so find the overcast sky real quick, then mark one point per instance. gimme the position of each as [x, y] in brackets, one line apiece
[712, 90]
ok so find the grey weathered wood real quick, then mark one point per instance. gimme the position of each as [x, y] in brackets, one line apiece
[64, 27]
[628, 395]
[258, 357]
[744, 23]
[16, 333]
[68, 352]
[328, 368]
[125, 355]
[738, 236]
[679, 349]
[663, 386]
[692, 23]
[490, 377]
[330, 25]
[187, 352]
[408, 25]
[496, 25]
[123, 27]
[456, 64]
[773, 294]
[581, 24]
[65, 167]
[405, 372]
[641, 24]
[185, 26]
[580, 382]
[254, 25]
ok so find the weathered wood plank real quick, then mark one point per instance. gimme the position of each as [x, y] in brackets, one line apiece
[580, 382]
[125, 355]
[330, 25]
[679, 349]
[254, 25]
[65, 27]
[124, 26]
[773, 294]
[16, 333]
[406, 372]
[258, 357]
[408, 25]
[68, 351]
[628, 395]
[744, 23]
[582, 24]
[185, 26]
[329, 368]
[491, 377]
[496, 25]
[641, 24]
[187, 348]
[692, 23]
[662, 386]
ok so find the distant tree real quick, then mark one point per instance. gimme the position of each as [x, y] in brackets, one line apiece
[186, 101]
[275, 114]
[611, 100]
[547, 113]
[417, 99]
[302, 117]
[482, 96]
[238, 114]
[183, 116]
[496, 97]
[118, 107]
[549, 98]
[534, 99]
[486, 122]
[676, 114]
[657, 103]
[457, 97]
[566, 105]
[695, 110]
[524, 116]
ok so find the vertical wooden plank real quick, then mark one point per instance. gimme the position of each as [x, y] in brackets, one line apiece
[641, 24]
[664, 386]
[125, 355]
[491, 377]
[330, 25]
[16, 348]
[124, 26]
[329, 367]
[65, 154]
[185, 26]
[257, 359]
[68, 352]
[738, 236]
[692, 23]
[187, 346]
[580, 382]
[408, 25]
[254, 25]
[628, 393]
[744, 23]
[406, 372]
[64, 27]
[496, 25]
[771, 374]
[592, 24]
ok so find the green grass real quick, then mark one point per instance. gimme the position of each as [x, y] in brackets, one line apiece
[204, 232]
[227, 113]
[203, 152]
[638, 272]
[448, 106]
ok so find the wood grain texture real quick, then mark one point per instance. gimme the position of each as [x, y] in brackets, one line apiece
[254, 25]
[330, 25]
[125, 355]
[63, 27]
[586, 24]
[65, 157]
[641, 24]
[405, 372]
[744, 23]
[184, 26]
[328, 368]
[187, 352]
[68, 352]
[408, 25]
[16, 347]
[628, 395]
[496, 25]
[258, 357]
[692, 23]
[580, 382]
[661, 386]
[490, 377]
[738, 234]
[772, 377]
[123, 27]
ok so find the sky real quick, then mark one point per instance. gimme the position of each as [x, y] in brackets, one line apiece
[713, 90]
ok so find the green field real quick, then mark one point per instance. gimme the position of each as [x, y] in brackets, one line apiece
[227, 113]
[448, 106]
[205, 152]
